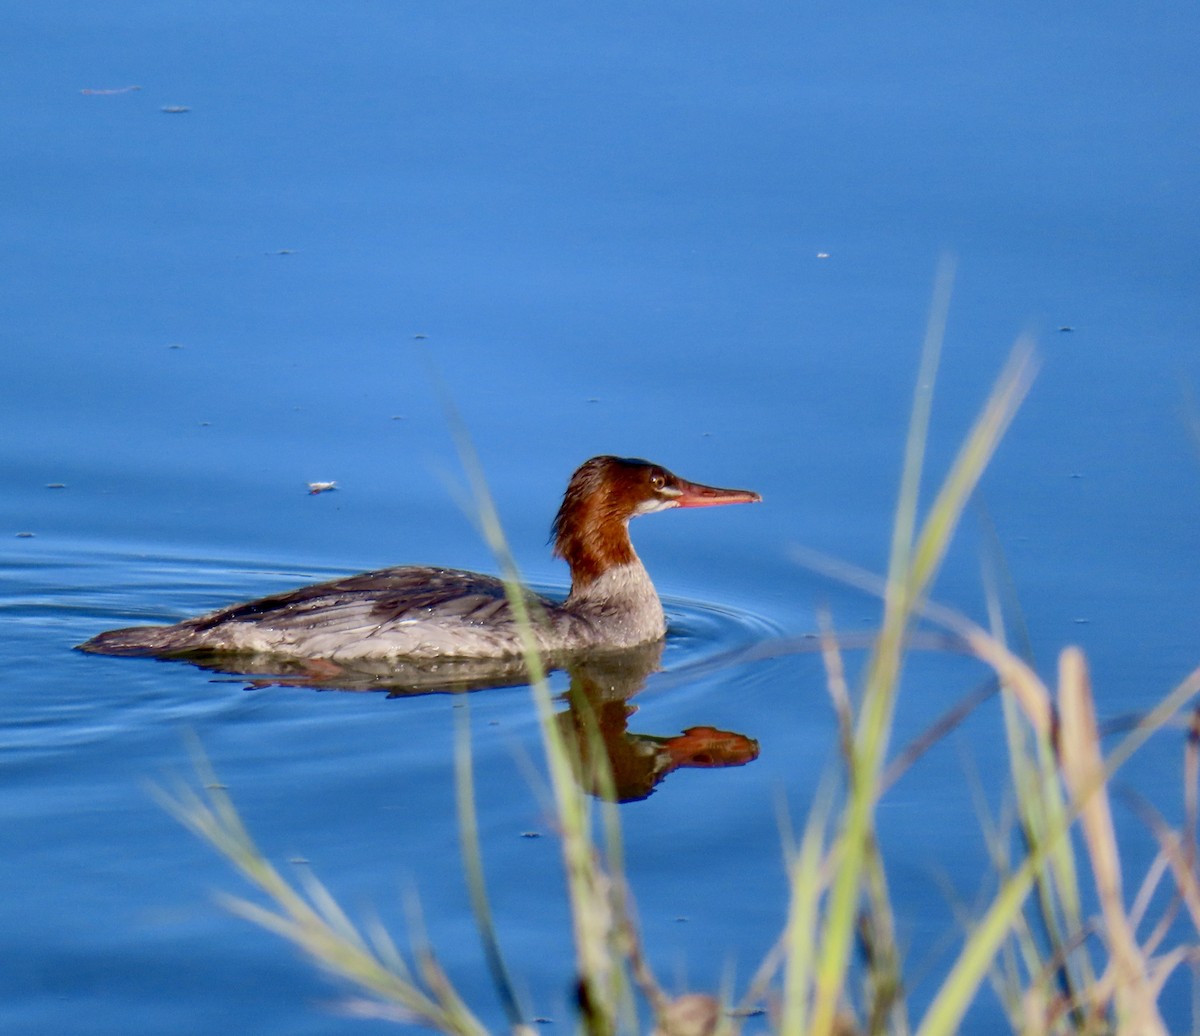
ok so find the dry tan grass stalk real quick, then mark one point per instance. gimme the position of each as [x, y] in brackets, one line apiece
[1191, 781]
[1150, 883]
[693, 1014]
[1011, 670]
[835, 682]
[1082, 763]
[1180, 856]
[631, 942]
[1186, 879]
[1157, 870]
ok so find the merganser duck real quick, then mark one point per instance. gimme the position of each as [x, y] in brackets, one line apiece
[418, 613]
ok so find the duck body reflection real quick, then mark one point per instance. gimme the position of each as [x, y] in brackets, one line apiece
[610, 760]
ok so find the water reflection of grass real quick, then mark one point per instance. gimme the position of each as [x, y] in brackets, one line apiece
[836, 967]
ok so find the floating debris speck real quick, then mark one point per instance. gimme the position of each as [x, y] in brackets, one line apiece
[109, 93]
[24, 535]
[822, 255]
[175, 109]
[321, 487]
[56, 485]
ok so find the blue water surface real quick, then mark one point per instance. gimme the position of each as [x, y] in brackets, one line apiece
[699, 232]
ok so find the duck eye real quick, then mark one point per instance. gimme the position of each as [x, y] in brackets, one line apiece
[658, 480]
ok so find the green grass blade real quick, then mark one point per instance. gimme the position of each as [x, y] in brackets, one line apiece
[472, 854]
[905, 521]
[601, 977]
[908, 585]
[807, 886]
[958, 990]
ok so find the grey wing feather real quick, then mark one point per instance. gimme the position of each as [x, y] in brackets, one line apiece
[371, 601]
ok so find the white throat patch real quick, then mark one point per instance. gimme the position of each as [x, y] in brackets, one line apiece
[666, 499]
